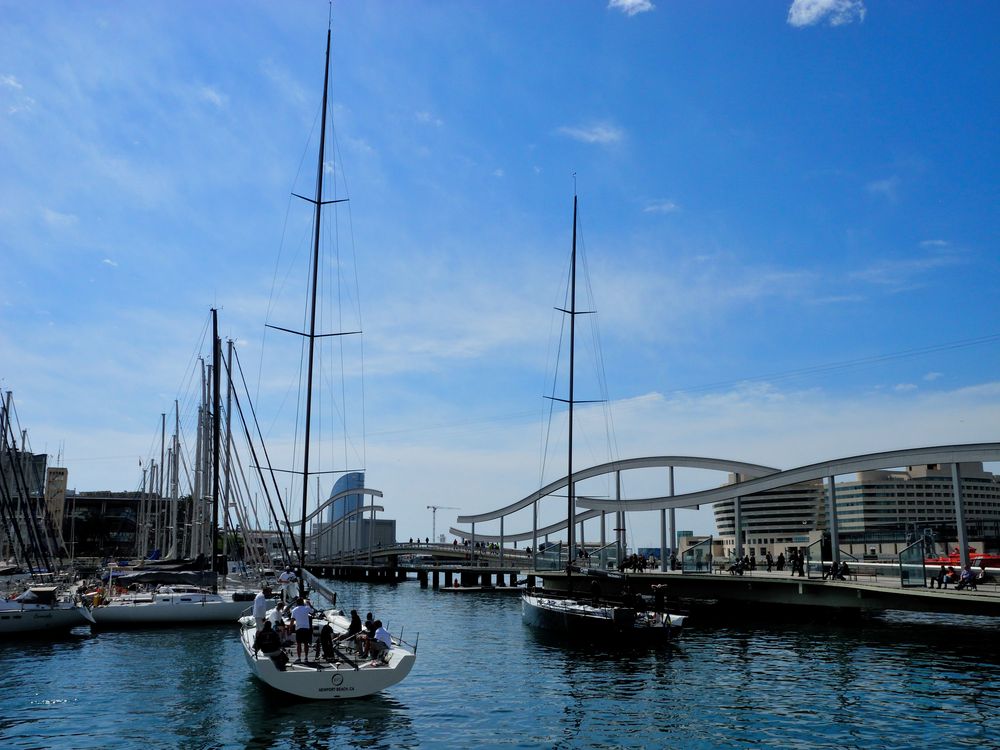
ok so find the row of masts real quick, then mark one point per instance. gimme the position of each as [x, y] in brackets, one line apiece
[175, 526]
[29, 534]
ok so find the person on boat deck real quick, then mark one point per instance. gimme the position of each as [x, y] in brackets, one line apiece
[381, 642]
[289, 583]
[659, 596]
[326, 642]
[366, 636]
[260, 610]
[353, 629]
[302, 613]
[268, 642]
[595, 592]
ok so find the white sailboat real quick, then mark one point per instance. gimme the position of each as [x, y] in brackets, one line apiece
[625, 621]
[344, 673]
[41, 609]
[171, 596]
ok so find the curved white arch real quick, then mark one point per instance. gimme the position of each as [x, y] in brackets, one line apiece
[762, 479]
[646, 462]
[334, 498]
[343, 519]
[943, 454]
[523, 536]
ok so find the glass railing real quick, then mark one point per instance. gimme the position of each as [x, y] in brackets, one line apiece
[605, 558]
[912, 569]
[551, 558]
[697, 558]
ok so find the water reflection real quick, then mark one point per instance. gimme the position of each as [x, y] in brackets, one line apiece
[275, 720]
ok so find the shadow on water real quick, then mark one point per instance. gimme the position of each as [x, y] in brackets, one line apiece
[276, 720]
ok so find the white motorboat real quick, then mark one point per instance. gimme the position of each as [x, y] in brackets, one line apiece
[40, 609]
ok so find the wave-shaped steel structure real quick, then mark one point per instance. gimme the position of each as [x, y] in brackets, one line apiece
[754, 478]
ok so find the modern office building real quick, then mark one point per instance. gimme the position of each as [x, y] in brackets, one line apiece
[346, 530]
[878, 513]
[777, 520]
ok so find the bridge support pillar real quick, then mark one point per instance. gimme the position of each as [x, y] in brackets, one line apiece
[831, 511]
[436, 583]
[422, 577]
[738, 522]
[963, 540]
[447, 578]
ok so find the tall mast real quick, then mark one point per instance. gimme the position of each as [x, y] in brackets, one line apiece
[318, 202]
[216, 369]
[570, 487]
[229, 445]
[175, 483]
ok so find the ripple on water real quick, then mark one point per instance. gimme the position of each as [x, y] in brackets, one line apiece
[484, 680]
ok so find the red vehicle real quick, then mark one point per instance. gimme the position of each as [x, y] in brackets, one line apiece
[976, 559]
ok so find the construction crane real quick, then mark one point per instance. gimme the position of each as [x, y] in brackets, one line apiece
[434, 509]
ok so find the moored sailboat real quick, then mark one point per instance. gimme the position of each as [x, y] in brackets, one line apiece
[592, 617]
[343, 672]
[41, 609]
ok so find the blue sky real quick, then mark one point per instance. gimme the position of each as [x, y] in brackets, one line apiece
[788, 211]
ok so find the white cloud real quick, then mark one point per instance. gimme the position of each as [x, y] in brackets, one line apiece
[631, 7]
[935, 243]
[429, 119]
[903, 273]
[932, 376]
[109, 262]
[21, 103]
[835, 12]
[210, 95]
[887, 188]
[904, 387]
[661, 207]
[57, 219]
[596, 133]
[498, 172]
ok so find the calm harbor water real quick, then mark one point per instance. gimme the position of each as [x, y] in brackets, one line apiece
[484, 680]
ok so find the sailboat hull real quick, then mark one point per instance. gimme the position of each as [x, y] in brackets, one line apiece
[187, 606]
[15, 618]
[582, 619]
[323, 680]
[123, 614]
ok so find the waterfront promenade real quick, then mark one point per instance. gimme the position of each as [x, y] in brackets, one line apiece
[872, 587]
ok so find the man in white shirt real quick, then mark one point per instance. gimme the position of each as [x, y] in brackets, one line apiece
[382, 641]
[289, 583]
[260, 610]
[302, 613]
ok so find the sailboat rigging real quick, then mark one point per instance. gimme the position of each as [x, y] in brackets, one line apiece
[343, 672]
[592, 617]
